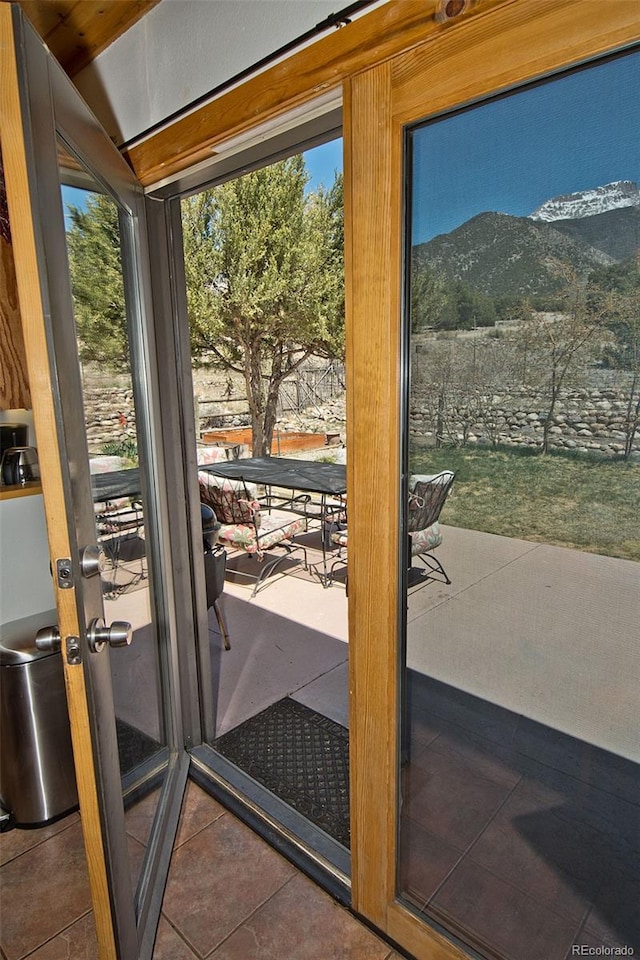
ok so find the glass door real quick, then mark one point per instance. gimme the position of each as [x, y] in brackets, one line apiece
[493, 307]
[79, 230]
[261, 314]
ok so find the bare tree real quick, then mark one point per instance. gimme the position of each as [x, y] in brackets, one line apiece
[558, 346]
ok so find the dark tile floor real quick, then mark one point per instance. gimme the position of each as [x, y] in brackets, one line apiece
[525, 840]
[229, 896]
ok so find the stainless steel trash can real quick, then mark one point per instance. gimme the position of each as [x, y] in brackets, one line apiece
[37, 778]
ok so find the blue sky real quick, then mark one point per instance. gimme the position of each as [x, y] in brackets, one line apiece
[323, 162]
[512, 154]
[73, 197]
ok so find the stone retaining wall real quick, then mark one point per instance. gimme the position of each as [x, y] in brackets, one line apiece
[110, 416]
[587, 420]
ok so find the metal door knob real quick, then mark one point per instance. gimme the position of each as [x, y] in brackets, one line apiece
[117, 634]
[48, 639]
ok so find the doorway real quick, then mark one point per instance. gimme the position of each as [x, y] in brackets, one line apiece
[263, 261]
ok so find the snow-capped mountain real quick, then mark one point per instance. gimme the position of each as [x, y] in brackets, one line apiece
[589, 203]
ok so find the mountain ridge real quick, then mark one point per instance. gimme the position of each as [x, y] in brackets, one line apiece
[618, 194]
[499, 254]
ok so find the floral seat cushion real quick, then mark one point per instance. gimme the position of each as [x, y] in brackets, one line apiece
[273, 529]
[339, 537]
[424, 540]
[211, 454]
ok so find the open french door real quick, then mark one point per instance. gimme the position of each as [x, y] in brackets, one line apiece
[126, 723]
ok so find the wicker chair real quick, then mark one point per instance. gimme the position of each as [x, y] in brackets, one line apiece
[427, 495]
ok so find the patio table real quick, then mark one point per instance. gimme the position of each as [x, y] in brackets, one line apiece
[115, 484]
[305, 476]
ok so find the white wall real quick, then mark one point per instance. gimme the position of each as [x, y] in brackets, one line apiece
[182, 49]
[25, 579]
[26, 587]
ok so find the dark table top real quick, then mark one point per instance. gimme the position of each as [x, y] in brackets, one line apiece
[308, 476]
[115, 484]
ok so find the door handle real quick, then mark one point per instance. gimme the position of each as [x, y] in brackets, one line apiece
[118, 634]
[48, 639]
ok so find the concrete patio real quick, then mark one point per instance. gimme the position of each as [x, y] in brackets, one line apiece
[523, 707]
[547, 632]
[544, 631]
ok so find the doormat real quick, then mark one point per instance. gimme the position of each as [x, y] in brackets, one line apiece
[134, 746]
[300, 756]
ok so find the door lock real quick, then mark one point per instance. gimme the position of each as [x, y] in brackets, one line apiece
[118, 634]
[92, 561]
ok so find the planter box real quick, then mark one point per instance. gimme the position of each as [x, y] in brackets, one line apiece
[283, 442]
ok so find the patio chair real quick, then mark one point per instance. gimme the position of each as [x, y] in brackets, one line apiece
[427, 495]
[215, 562]
[120, 531]
[335, 535]
[248, 527]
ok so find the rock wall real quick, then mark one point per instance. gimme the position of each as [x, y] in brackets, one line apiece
[588, 420]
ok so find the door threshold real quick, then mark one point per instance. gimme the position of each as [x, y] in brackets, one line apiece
[308, 847]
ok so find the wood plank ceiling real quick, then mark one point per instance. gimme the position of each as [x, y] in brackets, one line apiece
[76, 31]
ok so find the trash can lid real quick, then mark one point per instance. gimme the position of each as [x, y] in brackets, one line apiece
[18, 638]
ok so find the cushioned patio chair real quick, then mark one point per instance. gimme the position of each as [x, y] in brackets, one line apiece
[247, 527]
[427, 495]
[335, 534]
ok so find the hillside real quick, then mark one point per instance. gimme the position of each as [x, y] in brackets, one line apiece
[501, 255]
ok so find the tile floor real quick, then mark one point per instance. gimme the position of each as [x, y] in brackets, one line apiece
[523, 838]
[229, 896]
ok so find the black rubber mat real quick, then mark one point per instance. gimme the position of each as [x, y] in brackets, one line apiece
[300, 756]
[134, 746]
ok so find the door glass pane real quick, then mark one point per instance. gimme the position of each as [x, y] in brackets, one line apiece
[265, 291]
[519, 822]
[93, 223]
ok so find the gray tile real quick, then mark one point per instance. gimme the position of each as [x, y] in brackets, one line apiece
[615, 916]
[451, 795]
[77, 942]
[15, 842]
[500, 915]
[36, 879]
[301, 922]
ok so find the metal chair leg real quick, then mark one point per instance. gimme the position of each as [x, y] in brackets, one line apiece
[222, 625]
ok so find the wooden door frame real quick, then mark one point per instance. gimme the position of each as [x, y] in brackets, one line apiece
[38, 106]
[23, 216]
[396, 65]
[506, 46]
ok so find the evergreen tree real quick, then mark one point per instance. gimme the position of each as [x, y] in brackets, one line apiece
[265, 280]
[264, 267]
[96, 279]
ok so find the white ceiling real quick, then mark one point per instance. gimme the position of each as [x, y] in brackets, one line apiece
[182, 49]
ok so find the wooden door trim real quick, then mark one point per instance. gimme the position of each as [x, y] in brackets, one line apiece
[22, 211]
[372, 345]
[378, 103]
[518, 43]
